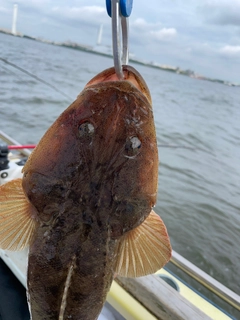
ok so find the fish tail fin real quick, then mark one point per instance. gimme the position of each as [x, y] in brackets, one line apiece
[145, 249]
[17, 224]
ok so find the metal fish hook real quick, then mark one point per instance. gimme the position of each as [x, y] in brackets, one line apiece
[119, 10]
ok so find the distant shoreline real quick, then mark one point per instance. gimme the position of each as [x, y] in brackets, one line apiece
[89, 49]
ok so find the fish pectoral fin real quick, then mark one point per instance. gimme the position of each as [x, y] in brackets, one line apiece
[17, 224]
[145, 249]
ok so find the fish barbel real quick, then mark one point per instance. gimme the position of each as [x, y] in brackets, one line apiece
[84, 204]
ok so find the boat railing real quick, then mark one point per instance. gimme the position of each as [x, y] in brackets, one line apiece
[207, 281]
[7, 139]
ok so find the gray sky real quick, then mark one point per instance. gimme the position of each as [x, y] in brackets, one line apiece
[202, 35]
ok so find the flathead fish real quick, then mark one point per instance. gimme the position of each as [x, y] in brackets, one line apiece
[85, 202]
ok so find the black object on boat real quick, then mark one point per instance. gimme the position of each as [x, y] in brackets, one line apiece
[4, 157]
[13, 298]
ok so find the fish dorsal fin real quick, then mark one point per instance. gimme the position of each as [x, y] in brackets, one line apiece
[17, 224]
[145, 249]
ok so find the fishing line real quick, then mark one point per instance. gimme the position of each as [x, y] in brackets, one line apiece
[180, 147]
[35, 77]
[177, 147]
[10, 71]
[32, 146]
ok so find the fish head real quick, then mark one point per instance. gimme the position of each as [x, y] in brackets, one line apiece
[100, 153]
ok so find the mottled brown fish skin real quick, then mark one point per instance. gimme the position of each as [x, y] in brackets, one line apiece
[90, 184]
[78, 243]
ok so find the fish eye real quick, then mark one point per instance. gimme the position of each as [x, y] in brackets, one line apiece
[132, 146]
[86, 129]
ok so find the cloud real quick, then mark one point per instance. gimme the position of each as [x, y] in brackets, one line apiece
[223, 12]
[37, 4]
[5, 10]
[79, 12]
[142, 31]
[230, 50]
[165, 34]
[92, 14]
[68, 12]
[143, 25]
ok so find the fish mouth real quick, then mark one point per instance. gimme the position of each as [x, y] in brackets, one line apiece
[130, 75]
